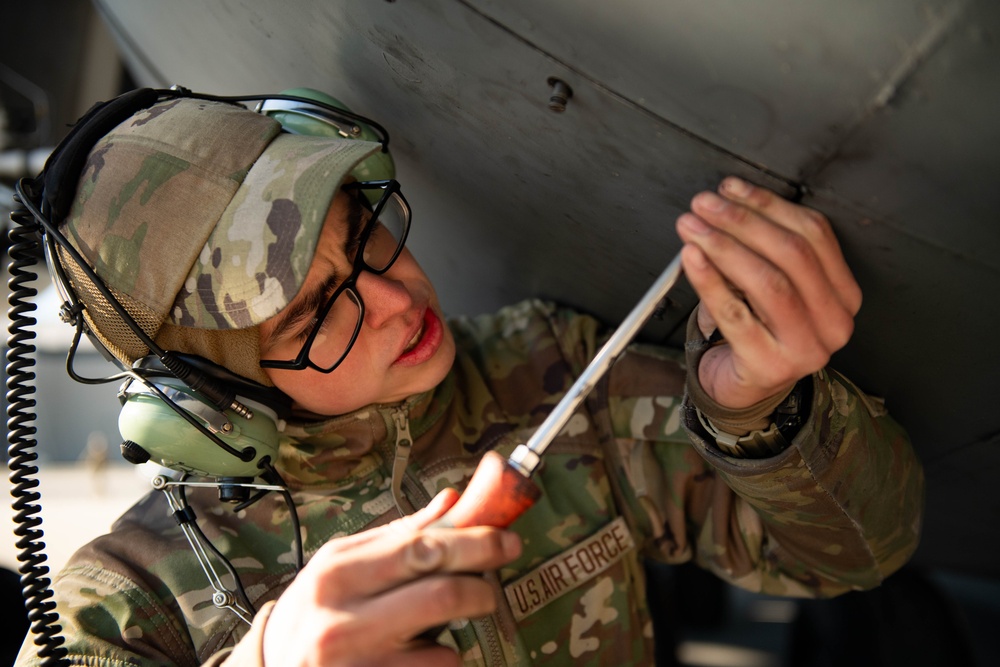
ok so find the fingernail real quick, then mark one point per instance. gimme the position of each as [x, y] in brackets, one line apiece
[511, 545]
[710, 201]
[693, 224]
[736, 187]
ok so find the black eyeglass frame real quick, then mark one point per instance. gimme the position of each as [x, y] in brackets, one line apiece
[302, 361]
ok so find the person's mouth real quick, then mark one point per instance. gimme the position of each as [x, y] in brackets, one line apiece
[424, 342]
[416, 338]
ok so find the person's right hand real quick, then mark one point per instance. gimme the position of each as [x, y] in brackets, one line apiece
[362, 599]
[771, 276]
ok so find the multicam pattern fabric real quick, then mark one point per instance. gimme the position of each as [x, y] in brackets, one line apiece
[190, 194]
[838, 510]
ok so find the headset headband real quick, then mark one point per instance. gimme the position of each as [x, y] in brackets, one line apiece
[71, 154]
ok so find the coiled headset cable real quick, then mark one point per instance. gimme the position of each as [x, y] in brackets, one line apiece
[35, 583]
[26, 241]
[34, 228]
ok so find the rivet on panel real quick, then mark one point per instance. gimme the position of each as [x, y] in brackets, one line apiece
[560, 95]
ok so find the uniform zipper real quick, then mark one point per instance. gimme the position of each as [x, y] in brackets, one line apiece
[401, 460]
[485, 630]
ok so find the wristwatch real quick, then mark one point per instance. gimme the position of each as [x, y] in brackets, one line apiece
[761, 443]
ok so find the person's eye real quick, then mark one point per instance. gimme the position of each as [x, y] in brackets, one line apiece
[378, 241]
[303, 332]
[298, 329]
[375, 234]
[352, 250]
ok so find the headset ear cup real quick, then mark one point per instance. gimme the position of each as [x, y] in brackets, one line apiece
[148, 423]
[305, 118]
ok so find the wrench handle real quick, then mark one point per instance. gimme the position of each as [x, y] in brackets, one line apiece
[497, 494]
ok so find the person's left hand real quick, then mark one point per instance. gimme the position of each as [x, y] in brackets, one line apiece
[772, 278]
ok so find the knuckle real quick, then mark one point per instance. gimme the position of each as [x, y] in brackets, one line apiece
[798, 247]
[445, 596]
[855, 298]
[736, 213]
[843, 331]
[326, 568]
[777, 285]
[733, 312]
[327, 550]
[760, 198]
[425, 552]
[339, 636]
[815, 224]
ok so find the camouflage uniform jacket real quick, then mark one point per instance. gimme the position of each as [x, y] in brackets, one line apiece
[629, 477]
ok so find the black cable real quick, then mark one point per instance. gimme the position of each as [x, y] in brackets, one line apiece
[71, 369]
[71, 312]
[35, 583]
[271, 475]
[200, 382]
[246, 455]
[51, 232]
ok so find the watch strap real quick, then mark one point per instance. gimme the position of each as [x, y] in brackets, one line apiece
[785, 422]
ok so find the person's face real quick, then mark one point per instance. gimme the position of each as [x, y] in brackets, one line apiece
[403, 347]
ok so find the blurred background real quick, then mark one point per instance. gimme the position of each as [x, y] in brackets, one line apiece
[882, 115]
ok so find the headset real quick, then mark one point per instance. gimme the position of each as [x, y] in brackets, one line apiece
[183, 412]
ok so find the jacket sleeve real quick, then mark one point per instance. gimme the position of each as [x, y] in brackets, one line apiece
[839, 509]
[108, 621]
[137, 596]
[249, 652]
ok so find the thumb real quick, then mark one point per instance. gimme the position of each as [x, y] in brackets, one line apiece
[706, 323]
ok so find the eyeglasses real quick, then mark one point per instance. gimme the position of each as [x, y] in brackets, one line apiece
[338, 323]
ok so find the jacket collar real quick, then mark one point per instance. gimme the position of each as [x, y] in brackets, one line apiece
[332, 451]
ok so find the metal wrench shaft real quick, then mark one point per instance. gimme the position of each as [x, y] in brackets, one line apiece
[501, 490]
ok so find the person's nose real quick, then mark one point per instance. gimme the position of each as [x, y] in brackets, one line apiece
[384, 298]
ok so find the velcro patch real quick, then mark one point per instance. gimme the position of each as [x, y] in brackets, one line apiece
[576, 565]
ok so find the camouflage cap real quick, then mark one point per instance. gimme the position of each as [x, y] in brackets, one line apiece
[205, 214]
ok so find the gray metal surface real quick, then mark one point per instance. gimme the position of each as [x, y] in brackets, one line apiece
[886, 112]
